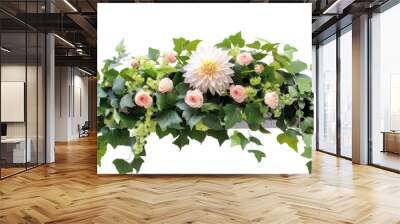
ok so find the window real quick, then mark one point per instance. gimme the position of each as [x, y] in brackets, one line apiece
[385, 89]
[327, 96]
[346, 93]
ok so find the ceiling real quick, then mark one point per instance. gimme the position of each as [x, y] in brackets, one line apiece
[75, 21]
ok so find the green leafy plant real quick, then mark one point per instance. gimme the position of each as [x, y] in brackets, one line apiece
[168, 95]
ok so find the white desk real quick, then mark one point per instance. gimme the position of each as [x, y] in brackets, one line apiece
[19, 155]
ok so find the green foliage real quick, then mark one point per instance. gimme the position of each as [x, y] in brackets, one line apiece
[290, 140]
[166, 100]
[232, 115]
[255, 140]
[258, 154]
[121, 122]
[153, 54]
[239, 139]
[168, 118]
[253, 114]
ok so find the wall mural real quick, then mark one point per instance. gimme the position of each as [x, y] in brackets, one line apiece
[196, 91]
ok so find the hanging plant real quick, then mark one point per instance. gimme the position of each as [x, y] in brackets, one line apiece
[193, 92]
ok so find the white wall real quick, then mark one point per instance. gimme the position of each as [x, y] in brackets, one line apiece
[70, 83]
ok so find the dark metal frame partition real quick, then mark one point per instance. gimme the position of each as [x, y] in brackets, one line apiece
[44, 80]
[338, 34]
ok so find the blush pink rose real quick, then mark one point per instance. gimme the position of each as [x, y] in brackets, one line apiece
[135, 63]
[259, 68]
[170, 57]
[143, 99]
[244, 59]
[271, 99]
[238, 93]
[194, 98]
[165, 85]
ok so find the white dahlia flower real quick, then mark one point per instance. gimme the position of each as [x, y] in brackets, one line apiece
[209, 69]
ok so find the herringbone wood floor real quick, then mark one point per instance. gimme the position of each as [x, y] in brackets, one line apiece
[69, 191]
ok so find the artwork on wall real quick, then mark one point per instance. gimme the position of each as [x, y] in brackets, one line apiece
[172, 99]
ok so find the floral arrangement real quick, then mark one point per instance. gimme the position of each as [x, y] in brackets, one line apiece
[196, 91]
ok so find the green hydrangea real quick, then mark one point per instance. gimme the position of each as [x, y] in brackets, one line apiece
[255, 81]
[250, 92]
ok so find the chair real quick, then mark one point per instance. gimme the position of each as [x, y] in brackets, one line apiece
[84, 130]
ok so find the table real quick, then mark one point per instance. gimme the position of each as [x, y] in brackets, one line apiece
[15, 148]
[391, 141]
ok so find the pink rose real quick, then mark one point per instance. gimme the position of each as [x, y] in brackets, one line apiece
[194, 98]
[165, 85]
[135, 63]
[244, 59]
[143, 99]
[238, 93]
[259, 68]
[170, 57]
[271, 99]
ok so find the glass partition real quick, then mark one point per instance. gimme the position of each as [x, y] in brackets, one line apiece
[346, 93]
[327, 96]
[22, 77]
[385, 90]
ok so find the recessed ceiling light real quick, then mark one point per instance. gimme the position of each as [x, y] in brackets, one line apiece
[64, 40]
[5, 50]
[84, 71]
[70, 5]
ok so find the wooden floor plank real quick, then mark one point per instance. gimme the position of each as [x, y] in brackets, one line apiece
[70, 191]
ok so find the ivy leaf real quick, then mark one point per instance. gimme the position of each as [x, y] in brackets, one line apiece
[298, 66]
[237, 40]
[101, 148]
[193, 120]
[207, 107]
[122, 166]
[168, 118]
[119, 85]
[127, 121]
[153, 54]
[166, 100]
[198, 135]
[181, 141]
[307, 149]
[101, 93]
[307, 125]
[263, 130]
[289, 140]
[126, 101]
[225, 44]
[292, 91]
[220, 135]
[192, 45]
[137, 163]
[255, 140]
[120, 48]
[179, 45]
[304, 83]
[289, 50]
[232, 115]
[212, 122]
[253, 114]
[255, 45]
[258, 56]
[309, 166]
[161, 133]
[239, 139]
[181, 88]
[258, 154]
